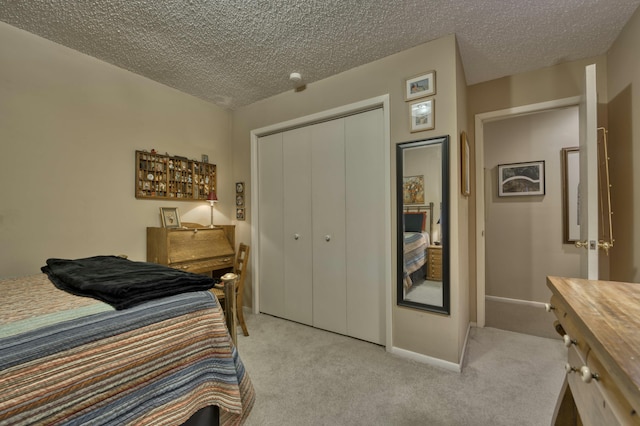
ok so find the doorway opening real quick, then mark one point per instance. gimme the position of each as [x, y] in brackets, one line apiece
[481, 184]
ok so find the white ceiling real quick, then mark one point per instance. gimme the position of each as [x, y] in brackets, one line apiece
[235, 52]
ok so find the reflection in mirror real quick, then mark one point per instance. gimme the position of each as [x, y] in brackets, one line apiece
[422, 212]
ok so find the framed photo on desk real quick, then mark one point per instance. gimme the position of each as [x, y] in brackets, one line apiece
[170, 217]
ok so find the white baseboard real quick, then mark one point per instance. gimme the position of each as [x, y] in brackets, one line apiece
[515, 301]
[437, 362]
[447, 365]
[464, 346]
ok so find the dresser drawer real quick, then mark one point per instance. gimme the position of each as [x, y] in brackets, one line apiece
[612, 397]
[434, 263]
[206, 265]
[599, 402]
[570, 327]
[593, 409]
[435, 260]
[434, 274]
[435, 252]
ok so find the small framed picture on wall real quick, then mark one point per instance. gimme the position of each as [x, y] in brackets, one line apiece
[240, 200]
[420, 86]
[422, 115]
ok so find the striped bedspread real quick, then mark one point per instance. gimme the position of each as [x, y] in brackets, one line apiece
[69, 360]
[415, 255]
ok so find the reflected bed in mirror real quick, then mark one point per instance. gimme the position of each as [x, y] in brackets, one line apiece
[422, 212]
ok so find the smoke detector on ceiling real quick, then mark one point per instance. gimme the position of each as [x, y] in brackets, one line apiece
[295, 77]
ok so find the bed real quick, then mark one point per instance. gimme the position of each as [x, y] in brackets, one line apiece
[71, 359]
[418, 228]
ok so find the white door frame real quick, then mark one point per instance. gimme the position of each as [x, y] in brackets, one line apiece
[354, 108]
[480, 120]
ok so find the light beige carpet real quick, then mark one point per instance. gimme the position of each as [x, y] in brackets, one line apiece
[306, 376]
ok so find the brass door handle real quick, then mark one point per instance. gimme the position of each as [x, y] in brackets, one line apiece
[581, 244]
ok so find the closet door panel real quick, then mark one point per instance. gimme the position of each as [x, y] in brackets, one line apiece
[328, 202]
[298, 291]
[364, 156]
[270, 217]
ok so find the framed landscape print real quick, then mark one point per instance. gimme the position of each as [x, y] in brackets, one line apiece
[519, 179]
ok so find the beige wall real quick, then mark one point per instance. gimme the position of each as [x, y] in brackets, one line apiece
[416, 331]
[551, 83]
[69, 126]
[623, 84]
[463, 242]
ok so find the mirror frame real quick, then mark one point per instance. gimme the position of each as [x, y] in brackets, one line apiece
[444, 225]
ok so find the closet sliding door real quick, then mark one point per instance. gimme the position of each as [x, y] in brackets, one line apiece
[329, 233]
[297, 216]
[365, 204]
[321, 220]
[271, 223]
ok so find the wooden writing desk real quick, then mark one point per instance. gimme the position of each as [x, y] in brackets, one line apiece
[601, 325]
[198, 250]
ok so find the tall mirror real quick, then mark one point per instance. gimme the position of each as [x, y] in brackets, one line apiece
[423, 224]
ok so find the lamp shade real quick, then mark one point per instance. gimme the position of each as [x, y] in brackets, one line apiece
[212, 196]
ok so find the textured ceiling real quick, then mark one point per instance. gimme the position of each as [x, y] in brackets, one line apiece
[235, 52]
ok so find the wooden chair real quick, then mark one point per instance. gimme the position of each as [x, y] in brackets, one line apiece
[240, 269]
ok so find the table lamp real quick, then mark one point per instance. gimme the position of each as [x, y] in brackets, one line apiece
[212, 198]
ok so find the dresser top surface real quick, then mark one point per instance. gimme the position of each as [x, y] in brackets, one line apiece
[608, 313]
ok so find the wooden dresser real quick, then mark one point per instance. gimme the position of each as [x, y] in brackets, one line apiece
[434, 263]
[600, 321]
[197, 250]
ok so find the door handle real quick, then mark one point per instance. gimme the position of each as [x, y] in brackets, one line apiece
[590, 245]
[580, 244]
[327, 237]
